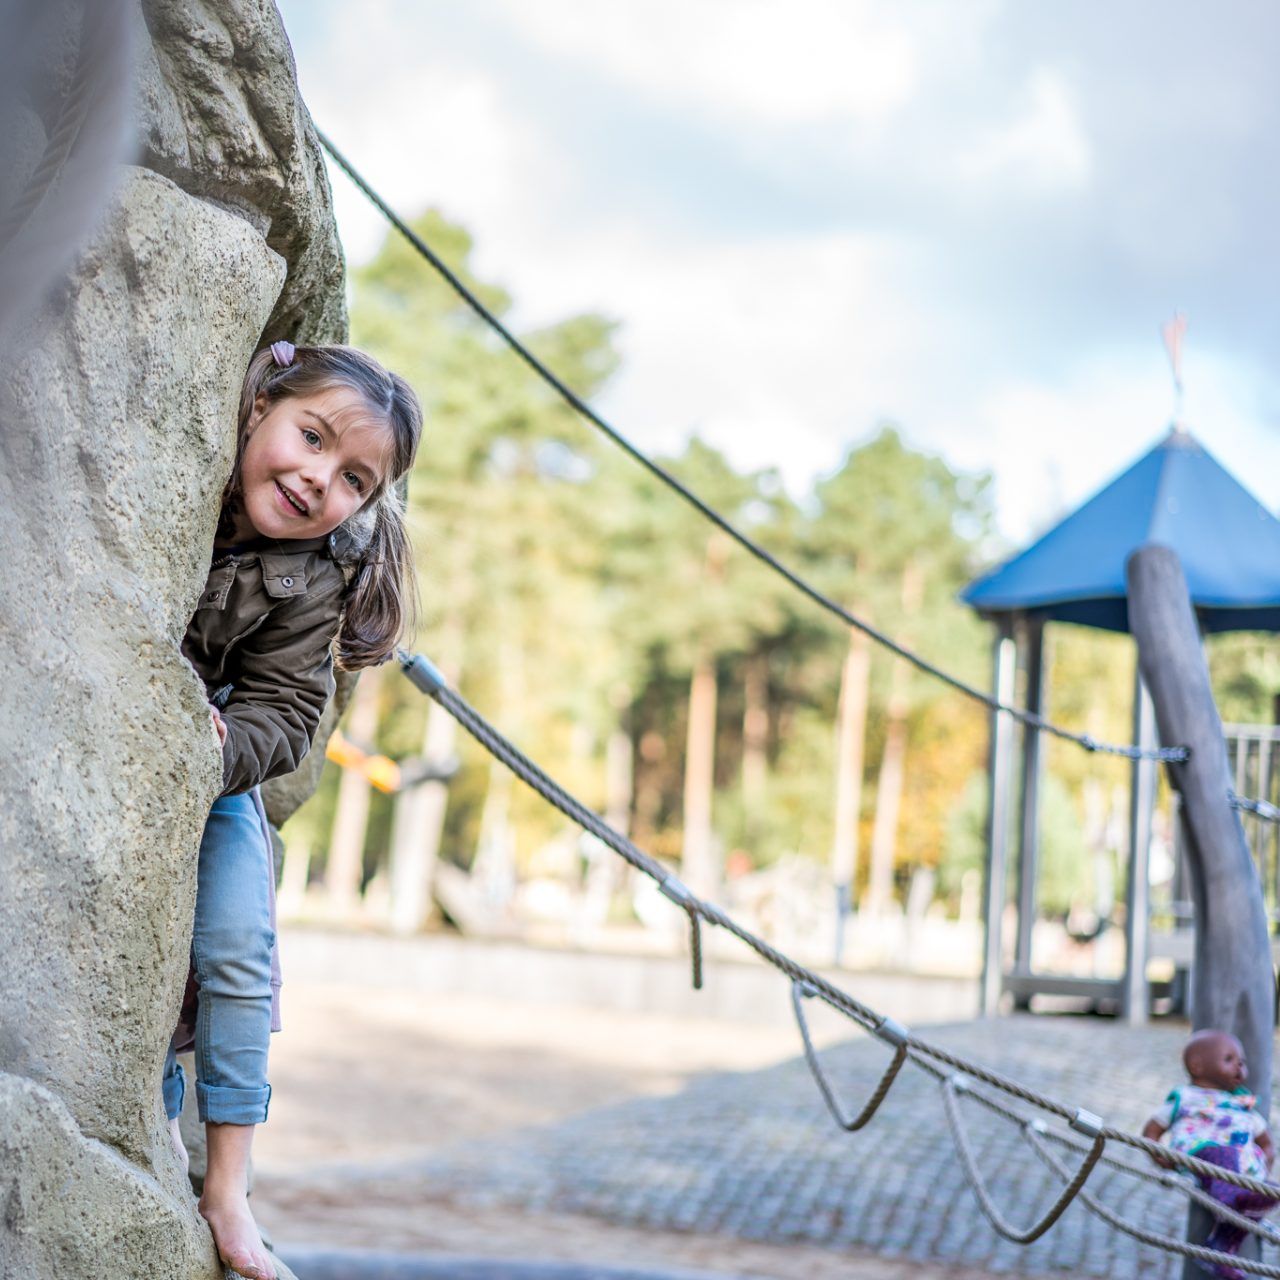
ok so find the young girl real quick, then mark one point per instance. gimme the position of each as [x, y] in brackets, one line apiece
[310, 548]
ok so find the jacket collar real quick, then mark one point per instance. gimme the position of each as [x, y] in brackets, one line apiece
[272, 547]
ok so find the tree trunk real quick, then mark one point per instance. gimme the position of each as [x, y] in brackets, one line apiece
[884, 834]
[647, 804]
[417, 829]
[699, 860]
[493, 869]
[755, 740]
[293, 879]
[345, 867]
[1232, 981]
[619, 765]
[851, 731]
[605, 872]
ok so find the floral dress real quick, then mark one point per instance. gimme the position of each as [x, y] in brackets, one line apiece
[1196, 1118]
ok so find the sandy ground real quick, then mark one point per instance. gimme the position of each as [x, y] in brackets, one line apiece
[366, 1081]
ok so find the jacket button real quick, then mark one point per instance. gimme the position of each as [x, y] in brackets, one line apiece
[286, 582]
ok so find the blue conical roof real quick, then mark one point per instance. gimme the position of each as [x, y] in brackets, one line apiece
[1177, 495]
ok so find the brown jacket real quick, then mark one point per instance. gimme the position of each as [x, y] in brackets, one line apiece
[264, 626]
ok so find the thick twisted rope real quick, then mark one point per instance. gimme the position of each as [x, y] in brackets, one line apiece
[952, 1087]
[1036, 1134]
[894, 1034]
[744, 540]
[1156, 1239]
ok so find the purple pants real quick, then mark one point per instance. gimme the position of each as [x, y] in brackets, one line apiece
[1226, 1236]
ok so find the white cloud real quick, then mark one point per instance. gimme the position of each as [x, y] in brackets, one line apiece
[1053, 444]
[781, 343]
[426, 129]
[1044, 144]
[806, 61]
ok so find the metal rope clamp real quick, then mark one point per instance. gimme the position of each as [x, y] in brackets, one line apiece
[886, 1029]
[675, 890]
[422, 673]
[1087, 1123]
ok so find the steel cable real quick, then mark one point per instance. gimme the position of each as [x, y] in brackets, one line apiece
[799, 993]
[1263, 809]
[1034, 1131]
[744, 540]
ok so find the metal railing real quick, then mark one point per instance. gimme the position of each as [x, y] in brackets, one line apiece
[1253, 759]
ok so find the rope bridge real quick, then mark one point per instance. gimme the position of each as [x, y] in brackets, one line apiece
[958, 1077]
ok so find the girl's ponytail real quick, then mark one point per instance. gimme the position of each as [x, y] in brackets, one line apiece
[382, 597]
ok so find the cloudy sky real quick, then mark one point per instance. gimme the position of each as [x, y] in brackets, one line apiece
[812, 216]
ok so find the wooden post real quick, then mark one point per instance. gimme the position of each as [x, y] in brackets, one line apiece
[1142, 803]
[344, 867]
[1004, 668]
[851, 733]
[416, 830]
[1032, 769]
[1231, 982]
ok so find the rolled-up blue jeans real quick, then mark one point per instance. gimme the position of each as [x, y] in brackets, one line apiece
[231, 958]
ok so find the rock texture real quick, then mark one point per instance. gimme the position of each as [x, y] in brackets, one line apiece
[221, 116]
[116, 431]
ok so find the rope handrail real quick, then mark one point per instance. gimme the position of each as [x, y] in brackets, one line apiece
[1169, 755]
[806, 983]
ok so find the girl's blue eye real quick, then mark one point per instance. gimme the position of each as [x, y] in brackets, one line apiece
[353, 480]
[311, 437]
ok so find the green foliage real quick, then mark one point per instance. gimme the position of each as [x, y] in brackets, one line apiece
[568, 592]
[1065, 872]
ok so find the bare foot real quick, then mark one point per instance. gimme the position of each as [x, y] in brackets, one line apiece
[175, 1132]
[236, 1235]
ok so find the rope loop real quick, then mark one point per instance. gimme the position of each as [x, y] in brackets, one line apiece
[1166, 1242]
[678, 892]
[802, 991]
[952, 1088]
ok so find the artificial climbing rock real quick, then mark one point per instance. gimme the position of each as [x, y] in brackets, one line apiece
[116, 430]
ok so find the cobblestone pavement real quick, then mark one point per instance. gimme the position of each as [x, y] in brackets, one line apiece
[754, 1156]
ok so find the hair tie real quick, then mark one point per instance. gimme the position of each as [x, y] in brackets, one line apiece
[282, 353]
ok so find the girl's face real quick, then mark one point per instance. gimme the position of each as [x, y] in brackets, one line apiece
[309, 462]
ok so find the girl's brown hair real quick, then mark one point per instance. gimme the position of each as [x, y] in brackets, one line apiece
[372, 546]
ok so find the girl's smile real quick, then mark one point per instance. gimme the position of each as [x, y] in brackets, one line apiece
[309, 463]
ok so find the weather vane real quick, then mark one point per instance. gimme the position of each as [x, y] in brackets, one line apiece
[1173, 332]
